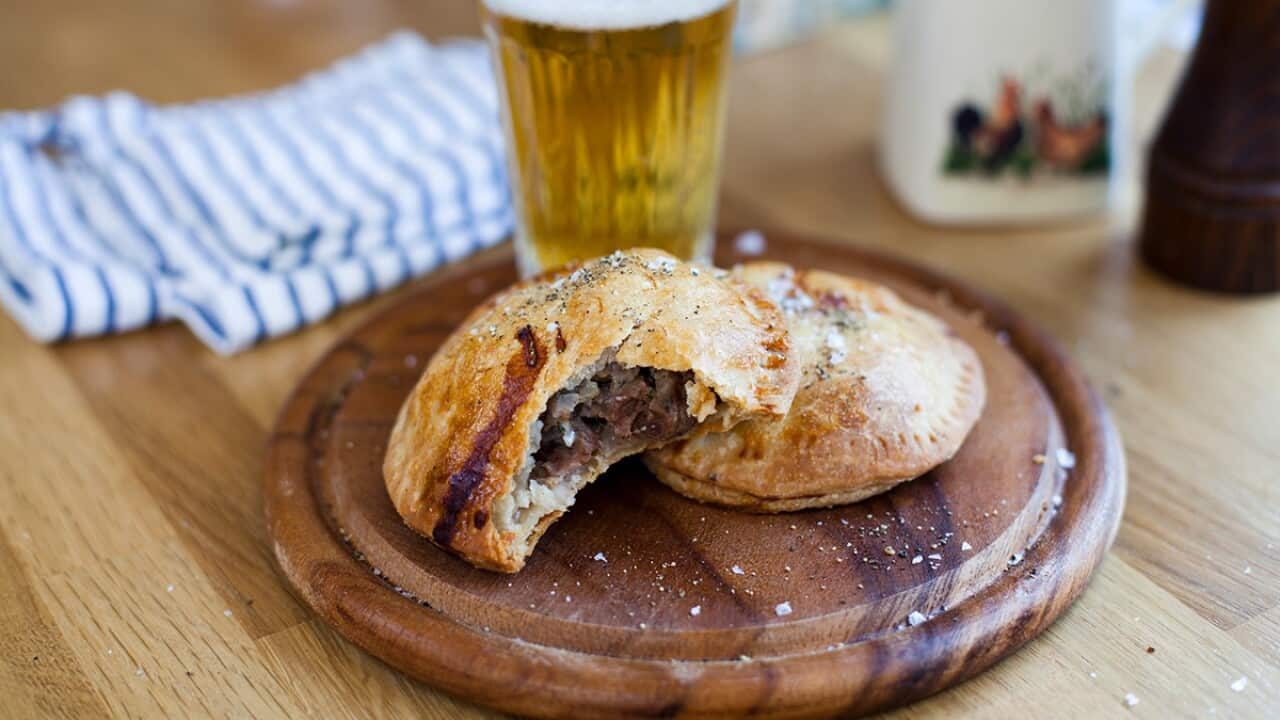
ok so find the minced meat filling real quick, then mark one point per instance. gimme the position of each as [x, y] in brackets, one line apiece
[631, 404]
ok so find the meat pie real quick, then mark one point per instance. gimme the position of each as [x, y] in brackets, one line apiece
[549, 383]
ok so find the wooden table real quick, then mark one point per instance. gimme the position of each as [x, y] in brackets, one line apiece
[136, 578]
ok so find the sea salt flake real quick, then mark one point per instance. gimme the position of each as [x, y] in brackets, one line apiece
[917, 560]
[737, 570]
[169, 589]
[836, 344]
[227, 613]
[696, 610]
[1130, 700]
[1066, 458]
[662, 264]
[1241, 684]
[965, 546]
[935, 556]
[915, 618]
[783, 608]
[600, 556]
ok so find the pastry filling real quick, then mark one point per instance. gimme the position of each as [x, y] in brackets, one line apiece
[618, 406]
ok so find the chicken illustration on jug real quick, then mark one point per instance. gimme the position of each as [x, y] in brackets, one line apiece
[1056, 133]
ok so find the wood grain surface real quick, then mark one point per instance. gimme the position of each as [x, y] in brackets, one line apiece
[644, 603]
[133, 464]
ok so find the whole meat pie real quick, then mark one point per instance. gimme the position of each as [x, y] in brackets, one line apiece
[887, 393]
[547, 384]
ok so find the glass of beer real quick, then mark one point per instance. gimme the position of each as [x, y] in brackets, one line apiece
[614, 114]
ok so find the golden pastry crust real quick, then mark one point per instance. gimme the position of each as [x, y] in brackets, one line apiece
[888, 392]
[465, 439]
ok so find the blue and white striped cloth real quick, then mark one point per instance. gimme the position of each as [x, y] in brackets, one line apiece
[251, 217]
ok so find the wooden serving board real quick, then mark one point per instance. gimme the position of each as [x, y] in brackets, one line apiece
[642, 603]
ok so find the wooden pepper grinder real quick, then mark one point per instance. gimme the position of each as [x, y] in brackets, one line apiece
[1212, 216]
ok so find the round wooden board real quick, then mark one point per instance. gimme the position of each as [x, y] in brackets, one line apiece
[642, 603]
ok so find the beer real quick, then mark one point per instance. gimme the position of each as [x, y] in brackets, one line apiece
[614, 112]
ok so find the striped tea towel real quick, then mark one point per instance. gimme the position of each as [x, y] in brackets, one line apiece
[250, 217]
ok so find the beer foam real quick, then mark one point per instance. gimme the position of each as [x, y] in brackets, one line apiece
[605, 14]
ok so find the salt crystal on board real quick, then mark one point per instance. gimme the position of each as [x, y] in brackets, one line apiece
[600, 556]
[915, 618]
[1066, 458]
[737, 570]
[749, 243]
[783, 608]
[965, 546]
[1241, 684]
[1130, 700]
[696, 610]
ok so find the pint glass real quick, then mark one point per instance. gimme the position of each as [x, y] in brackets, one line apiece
[614, 115]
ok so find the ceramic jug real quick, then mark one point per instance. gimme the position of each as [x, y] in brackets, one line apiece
[1001, 111]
